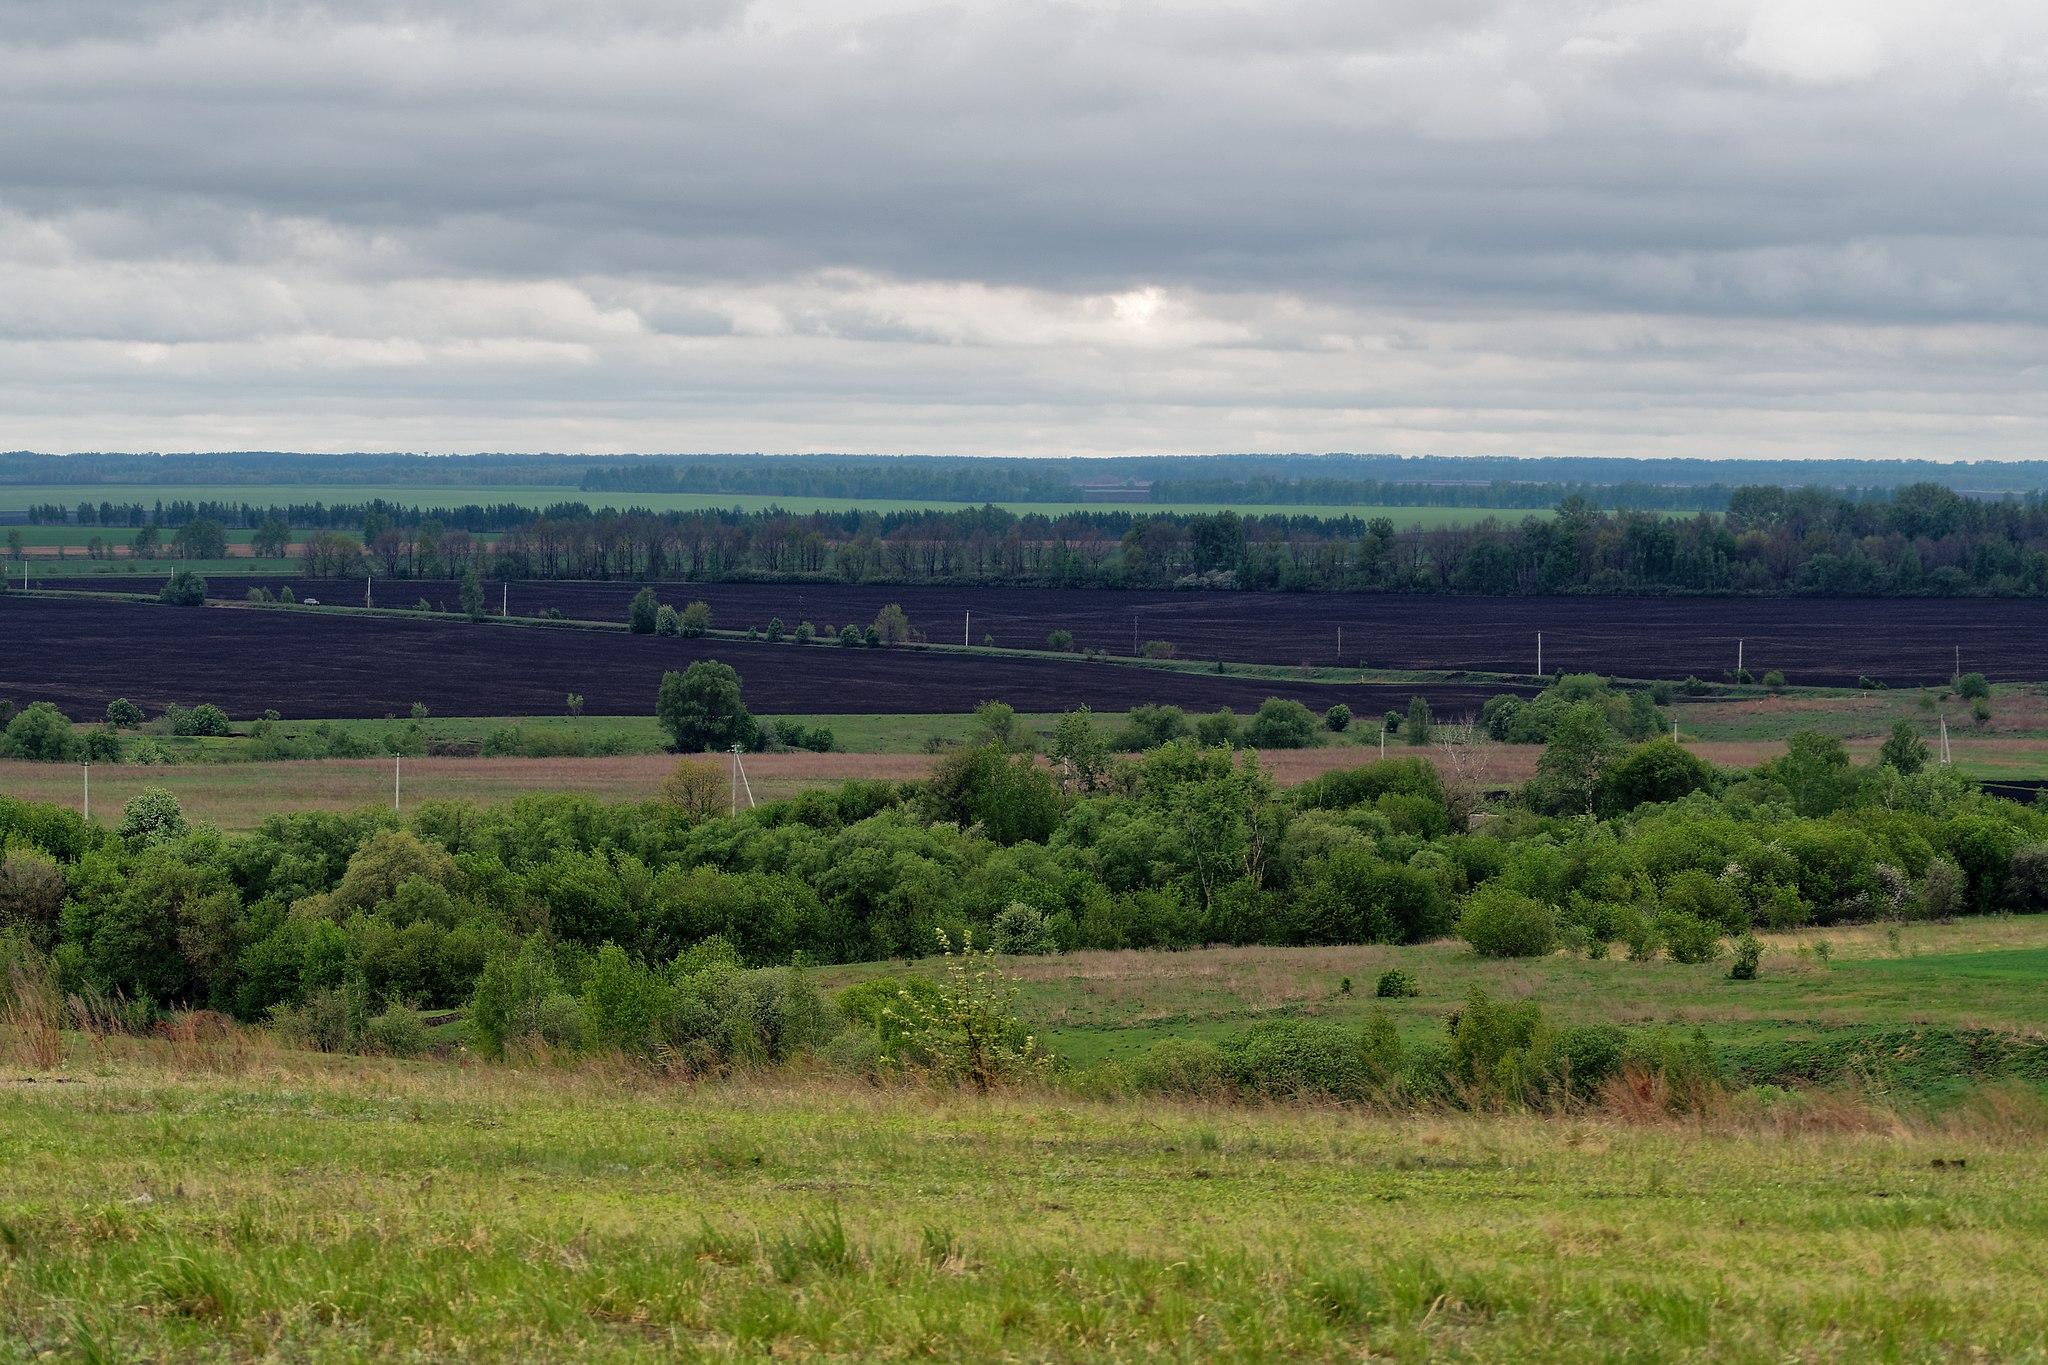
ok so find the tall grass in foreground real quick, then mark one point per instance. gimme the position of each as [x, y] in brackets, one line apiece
[31, 1012]
[300, 1205]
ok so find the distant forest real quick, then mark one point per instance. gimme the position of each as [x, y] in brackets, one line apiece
[1319, 480]
[1920, 540]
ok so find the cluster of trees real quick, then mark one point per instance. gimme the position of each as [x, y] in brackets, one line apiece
[1638, 846]
[647, 614]
[1922, 539]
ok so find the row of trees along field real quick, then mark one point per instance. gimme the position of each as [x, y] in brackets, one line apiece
[1923, 539]
[1636, 847]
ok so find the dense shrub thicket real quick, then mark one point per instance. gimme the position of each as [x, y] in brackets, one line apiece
[1180, 846]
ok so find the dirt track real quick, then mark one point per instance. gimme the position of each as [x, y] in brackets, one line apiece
[240, 795]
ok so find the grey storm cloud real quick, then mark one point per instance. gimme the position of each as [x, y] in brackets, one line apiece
[1715, 227]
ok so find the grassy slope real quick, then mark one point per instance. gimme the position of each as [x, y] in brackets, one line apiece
[1975, 974]
[315, 1208]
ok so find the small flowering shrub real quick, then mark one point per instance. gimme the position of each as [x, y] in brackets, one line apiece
[969, 1031]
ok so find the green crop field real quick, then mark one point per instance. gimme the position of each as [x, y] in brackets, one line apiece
[15, 497]
[45, 569]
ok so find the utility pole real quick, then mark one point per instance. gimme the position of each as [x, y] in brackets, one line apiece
[1738, 659]
[1955, 677]
[739, 781]
[1340, 646]
[397, 763]
[1539, 653]
[366, 590]
[88, 789]
[966, 621]
[505, 599]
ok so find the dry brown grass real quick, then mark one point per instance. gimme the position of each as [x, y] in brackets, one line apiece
[32, 1014]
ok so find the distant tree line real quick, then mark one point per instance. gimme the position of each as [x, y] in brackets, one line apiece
[1503, 493]
[975, 479]
[1921, 540]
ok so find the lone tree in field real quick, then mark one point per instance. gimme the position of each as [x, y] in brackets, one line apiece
[1904, 749]
[183, 589]
[1079, 750]
[645, 611]
[891, 626]
[1581, 747]
[472, 594]
[272, 539]
[203, 538]
[1281, 724]
[40, 732]
[1421, 725]
[695, 619]
[1337, 719]
[701, 709]
[123, 714]
[697, 787]
[151, 817]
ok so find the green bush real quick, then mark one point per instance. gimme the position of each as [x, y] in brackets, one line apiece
[1500, 922]
[1186, 1067]
[1395, 984]
[1309, 1058]
[39, 732]
[879, 1007]
[1281, 724]
[1973, 687]
[507, 1005]
[643, 615]
[183, 589]
[1748, 953]
[151, 817]
[323, 1022]
[1688, 937]
[1023, 930]
[397, 1032]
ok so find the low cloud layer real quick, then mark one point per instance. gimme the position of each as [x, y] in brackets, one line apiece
[1802, 227]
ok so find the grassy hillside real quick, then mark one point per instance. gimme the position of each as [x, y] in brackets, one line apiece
[1869, 984]
[236, 1203]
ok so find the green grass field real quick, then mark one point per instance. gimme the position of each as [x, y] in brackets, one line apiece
[43, 570]
[221, 1202]
[17, 497]
[1942, 979]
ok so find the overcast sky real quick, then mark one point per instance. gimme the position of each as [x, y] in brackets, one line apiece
[1697, 227]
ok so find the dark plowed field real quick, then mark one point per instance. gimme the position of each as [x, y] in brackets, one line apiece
[83, 654]
[1816, 641]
